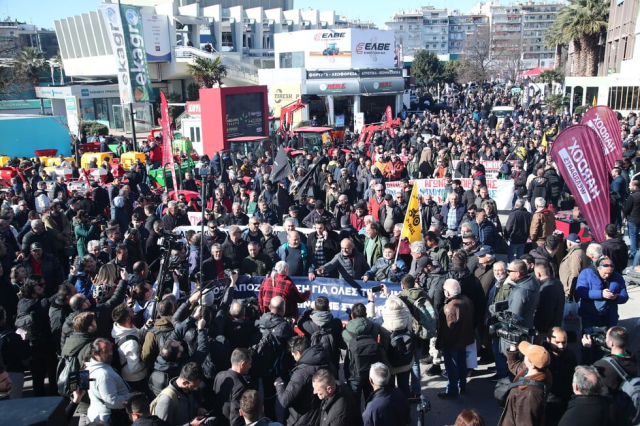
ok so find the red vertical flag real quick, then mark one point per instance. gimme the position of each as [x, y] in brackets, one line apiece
[577, 152]
[167, 136]
[389, 114]
[604, 121]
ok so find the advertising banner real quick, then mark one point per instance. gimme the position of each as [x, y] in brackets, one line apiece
[244, 114]
[372, 49]
[342, 294]
[167, 149]
[500, 190]
[156, 37]
[328, 87]
[127, 43]
[604, 121]
[282, 95]
[578, 154]
[491, 167]
[327, 49]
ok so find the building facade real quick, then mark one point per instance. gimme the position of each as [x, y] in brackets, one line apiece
[16, 36]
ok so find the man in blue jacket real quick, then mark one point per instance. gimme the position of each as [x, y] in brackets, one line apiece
[387, 406]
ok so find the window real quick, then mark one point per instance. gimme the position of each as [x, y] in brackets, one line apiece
[292, 60]
[624, 98]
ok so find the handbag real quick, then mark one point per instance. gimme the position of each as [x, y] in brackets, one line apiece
[504, 386]
[571, 321]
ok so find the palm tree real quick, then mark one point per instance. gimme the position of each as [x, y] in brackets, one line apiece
[31, 64]
[553, 37]
[582, 23]
[548, 77]
[208, 73]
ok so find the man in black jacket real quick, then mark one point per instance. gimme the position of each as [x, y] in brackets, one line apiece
[45, 265]
[229, 386]
[517, 229]
[338, 406]
[589, 407]
[297, 396]
[320, 318]
[59, 311]
[35, 306]
[323, 244]
[551, 306]
[614, 248]
[562, 366]
[234, 249]
[632, 212]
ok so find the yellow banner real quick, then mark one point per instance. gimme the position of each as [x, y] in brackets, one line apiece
[412, 229]
[283, 95]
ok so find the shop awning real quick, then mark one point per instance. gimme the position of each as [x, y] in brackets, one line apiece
[191, 20]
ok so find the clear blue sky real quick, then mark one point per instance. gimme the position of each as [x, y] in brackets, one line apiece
[44, 12]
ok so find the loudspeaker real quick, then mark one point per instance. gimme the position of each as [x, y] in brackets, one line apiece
[46, 411]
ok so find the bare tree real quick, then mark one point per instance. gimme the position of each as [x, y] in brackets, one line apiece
[476, 63]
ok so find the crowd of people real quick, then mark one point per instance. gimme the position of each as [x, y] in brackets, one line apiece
[80, 280]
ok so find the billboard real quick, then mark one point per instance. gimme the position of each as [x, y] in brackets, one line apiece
[328, 49]
[156, 37]
[129, 50]
[281, 95]
[244, 115]
[372, 49]
[328, 87]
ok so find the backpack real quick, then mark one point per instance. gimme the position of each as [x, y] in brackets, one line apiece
[322, 336]
[401, 348]
[628, 396]
[423, 318]
[268, 352]
[42, 203]
[363, 351]
[29, 323]
[166, 391]
[67, 374]
[116, 362]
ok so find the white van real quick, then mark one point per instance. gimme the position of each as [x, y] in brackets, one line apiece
[501, 112]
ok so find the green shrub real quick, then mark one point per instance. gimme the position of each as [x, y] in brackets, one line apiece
[92, 127]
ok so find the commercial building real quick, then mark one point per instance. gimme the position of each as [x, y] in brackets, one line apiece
[349, 71]
[176, 32]
[441, 31]
[17, 36]
[517, 31]
[618, 83]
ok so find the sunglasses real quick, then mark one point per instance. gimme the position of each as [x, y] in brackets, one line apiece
[607, 265]
[511, 270]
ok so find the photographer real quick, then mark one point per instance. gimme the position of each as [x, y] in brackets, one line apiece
[616, 339]
[144, 296]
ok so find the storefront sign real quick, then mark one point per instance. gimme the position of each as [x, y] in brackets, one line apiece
[156, 37]
[194, 108]
[328, 49]
[381, 85]
[341, 74]
[355, 73]
[71, 103]
[26, 104]
[328, 87]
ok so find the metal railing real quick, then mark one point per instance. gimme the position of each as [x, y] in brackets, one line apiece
[235, 68]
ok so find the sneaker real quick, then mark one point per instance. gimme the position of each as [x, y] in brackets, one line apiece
[434, 370]
[446, 395]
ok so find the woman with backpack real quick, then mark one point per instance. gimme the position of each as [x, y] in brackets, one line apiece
[396, 338]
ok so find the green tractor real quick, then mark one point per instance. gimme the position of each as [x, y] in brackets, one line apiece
[331, 50]
[182, 148]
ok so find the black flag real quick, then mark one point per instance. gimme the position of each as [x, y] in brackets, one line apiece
[282, 201]
[305, 183]
[281, 167]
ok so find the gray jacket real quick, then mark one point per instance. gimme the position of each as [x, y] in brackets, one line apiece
[348, 268]
[186, 410]
[524, 298]
[107, 391]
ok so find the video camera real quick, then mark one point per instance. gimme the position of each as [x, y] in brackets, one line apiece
[98, 220]
[599, 337]
[170, 241]
[508, 326]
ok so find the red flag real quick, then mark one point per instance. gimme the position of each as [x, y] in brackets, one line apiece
[604, 121]
[389, 114]
[578, 154]
[167, 136]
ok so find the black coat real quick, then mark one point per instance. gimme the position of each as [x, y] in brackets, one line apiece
[616, 250]
[632, 207]
[58, 313]
[518, 225]
[51, 272]
[551, 306]
[590, 411]
[471, 287]
[234, 253]
[340, 409]
[297, 395]
[228, 387]
[555, 182]
[539, 187]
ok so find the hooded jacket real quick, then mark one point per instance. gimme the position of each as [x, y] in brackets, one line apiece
[163, 328]
[297, 395]
[133, 369]
[78, 344]
[540, 253]
[539, 187]
[107, 391]
[58, 312]
[324, 320]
